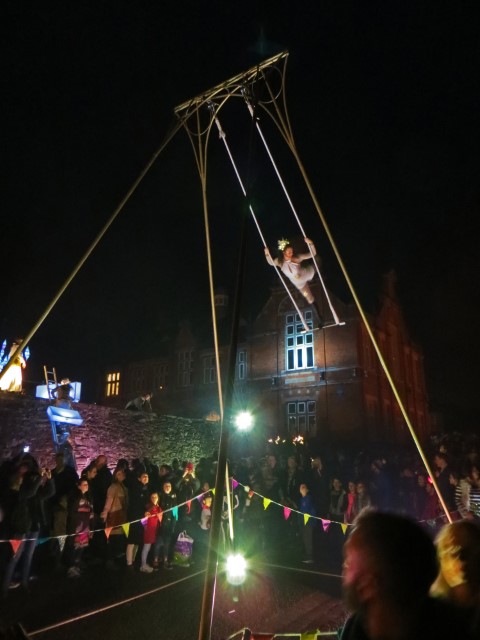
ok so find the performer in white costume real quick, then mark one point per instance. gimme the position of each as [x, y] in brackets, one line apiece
[290, 264]
[12, 379]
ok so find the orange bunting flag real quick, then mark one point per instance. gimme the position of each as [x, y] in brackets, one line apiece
[266, 502]
[250, 494]
[286, 512]
[344, 527]
[108, 531]
[189, 505]
[306, 518]
[126, 528]
[15, 544]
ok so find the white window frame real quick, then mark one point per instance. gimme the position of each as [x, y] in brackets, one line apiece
[299, 345]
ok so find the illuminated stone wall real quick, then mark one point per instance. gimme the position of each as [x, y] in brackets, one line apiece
[113, 432]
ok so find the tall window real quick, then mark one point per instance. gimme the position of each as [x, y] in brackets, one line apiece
[209, 370]
[160, 376]
[301, 416]
[113, 384]
[185, 368]
[138, 379]
[299, 345]
[241, 365]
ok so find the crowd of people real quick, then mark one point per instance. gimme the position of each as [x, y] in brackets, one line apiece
[290, 503]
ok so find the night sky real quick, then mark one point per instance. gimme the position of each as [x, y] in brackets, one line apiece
[384, 105]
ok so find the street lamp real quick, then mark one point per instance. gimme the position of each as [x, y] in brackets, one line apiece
[244, 421]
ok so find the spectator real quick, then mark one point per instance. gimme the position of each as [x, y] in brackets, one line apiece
[152, 512]
[389, 566]
[65, 478]
[458, 551]
[138, 498]
[80, 517]
[114, 514]
[349, 515]
[29, 487]
[168, 500]
[306, 506]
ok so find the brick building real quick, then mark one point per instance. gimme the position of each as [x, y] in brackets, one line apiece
[327, 384]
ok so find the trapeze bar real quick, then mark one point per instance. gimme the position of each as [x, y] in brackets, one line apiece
[240, 79]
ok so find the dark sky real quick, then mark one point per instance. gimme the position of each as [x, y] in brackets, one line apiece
[384, 104]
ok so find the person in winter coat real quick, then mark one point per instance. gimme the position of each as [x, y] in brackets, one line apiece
[168, 501]
[153, 514]
[138, 498]
[29, 487]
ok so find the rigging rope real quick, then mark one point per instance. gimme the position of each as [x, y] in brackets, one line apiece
[260, 132]
[223, 137]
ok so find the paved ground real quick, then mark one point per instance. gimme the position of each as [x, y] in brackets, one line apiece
[124, 604]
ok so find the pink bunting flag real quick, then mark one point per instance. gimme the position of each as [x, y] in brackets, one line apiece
[108, 531]
[266, 502]
[326, 524]
[15, 544]
[234, 484]
[144, 521]
[189, 505]
[286, 512]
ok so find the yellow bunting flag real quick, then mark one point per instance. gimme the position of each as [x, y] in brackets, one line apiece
[344, 527]
[306, 518]
[309, 635]
[266, 502]
[15, 544]
[126, 528]
[213, 490]
[108, 531]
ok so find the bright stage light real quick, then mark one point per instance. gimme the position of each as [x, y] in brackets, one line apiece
[236, 569]
[244, 421]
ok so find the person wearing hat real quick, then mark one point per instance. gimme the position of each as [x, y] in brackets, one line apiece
[63, 394]
[12, 378]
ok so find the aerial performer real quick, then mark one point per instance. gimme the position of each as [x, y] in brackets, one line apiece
[290, 264]
[12, 378]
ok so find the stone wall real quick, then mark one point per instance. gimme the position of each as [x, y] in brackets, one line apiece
[113, 432]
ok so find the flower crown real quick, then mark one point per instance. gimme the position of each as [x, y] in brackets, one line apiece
[283, 243]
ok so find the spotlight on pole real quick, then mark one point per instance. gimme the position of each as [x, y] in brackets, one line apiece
[244, 421]
[236, 569]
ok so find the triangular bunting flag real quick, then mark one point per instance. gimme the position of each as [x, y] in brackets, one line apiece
[344, 527]
[41, 540]
[306, 518]
[126, 528]
[234, 484]
[175, 512]
[326, 524]
[15, 544]
[108, 531]
[189, 505]
[160, 516]
[250, 494]
[310, 635]
[266, 502]
[61, 542]
[144, 521]
[213, 490]
[286, 512]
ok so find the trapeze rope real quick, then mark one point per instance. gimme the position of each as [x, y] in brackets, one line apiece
[257, 125]
[223, 137]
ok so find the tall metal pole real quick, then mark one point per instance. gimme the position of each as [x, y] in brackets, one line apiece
[208, 601]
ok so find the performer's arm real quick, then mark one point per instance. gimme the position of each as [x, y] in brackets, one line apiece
[311, 247]
[270, 261]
